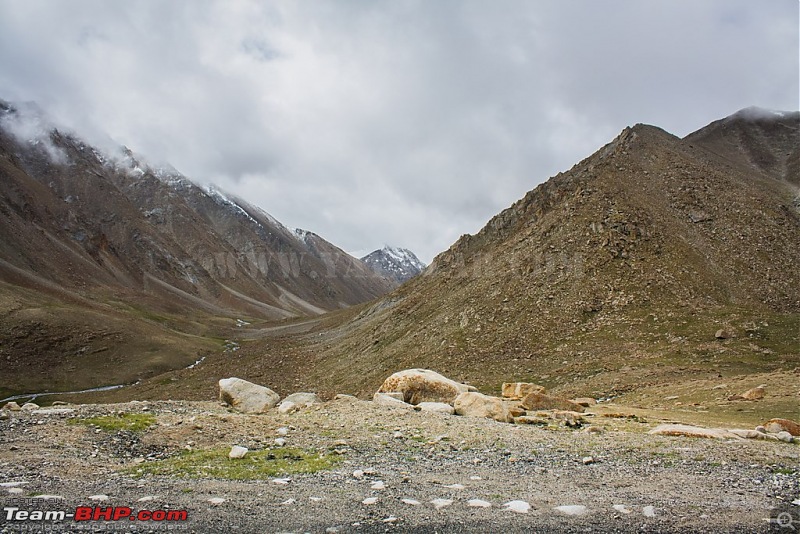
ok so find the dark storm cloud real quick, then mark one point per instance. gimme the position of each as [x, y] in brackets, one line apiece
[404, 122]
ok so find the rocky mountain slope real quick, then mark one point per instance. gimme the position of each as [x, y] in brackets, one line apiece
[101, 253]
[398, 264]
[650, 267]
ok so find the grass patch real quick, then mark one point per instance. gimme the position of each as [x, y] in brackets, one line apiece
[132, 422]
[214, 463]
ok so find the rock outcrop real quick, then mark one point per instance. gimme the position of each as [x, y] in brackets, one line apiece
[423, 385]
[520, 390]
[245, 396]
[476, 404]
[540, 401]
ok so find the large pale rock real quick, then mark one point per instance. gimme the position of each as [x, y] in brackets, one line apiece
[245, 396]
[540, 401]
[756, 393]
[782, 425]
[423, 385]
[296, 401]
[383, 399]
[476, 404]
[520, 390]
[436, 407]
[693, 432]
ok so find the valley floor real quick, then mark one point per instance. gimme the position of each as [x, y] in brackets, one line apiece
[659, 484]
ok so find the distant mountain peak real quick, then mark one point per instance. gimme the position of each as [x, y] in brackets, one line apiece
[399, 264]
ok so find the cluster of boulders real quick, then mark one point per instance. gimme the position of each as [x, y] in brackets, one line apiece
[247, 397]
[426, 390]
[784, 430]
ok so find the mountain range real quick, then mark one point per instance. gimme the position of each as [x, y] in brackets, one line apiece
[656, 265]
[398, 264]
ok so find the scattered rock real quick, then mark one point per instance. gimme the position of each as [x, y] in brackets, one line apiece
[147, 498]
[280, 442]
[649, 511]
[724, 333]
[216, 501]
[53, 411]
[281, 481]
[383, 399]
[530, 420]
[520, 390]
[289, 502]
[15, 491]
[29, 407]
[369, 501]
[358, 474]
[12, 406]
[476, 404]
[756, 393]
[585, 401]
[540, 401]
[303, 399]
[593, 430]
[378, 485]
[692, 432]
[782, 425]
[520, 507]
[456, 486]
[571, 419]
[424, 385]
[237, 452]
[98, 497]
[287, 407]
[587, 460]
[572, 509]
[436, 407]
[345, 397]
[784, 436]
[412, 502]
[441, 503]
[282, 431]
[478, 503]
[4, 415]
[245, 396]
[622, 508]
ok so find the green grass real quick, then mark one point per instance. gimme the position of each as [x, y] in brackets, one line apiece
[133, 422]
[214, 463]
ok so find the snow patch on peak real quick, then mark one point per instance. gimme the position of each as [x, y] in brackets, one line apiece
[398, 263]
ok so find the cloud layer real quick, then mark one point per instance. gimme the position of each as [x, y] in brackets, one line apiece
[407, 122]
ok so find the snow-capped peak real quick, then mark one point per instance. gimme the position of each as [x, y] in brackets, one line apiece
[398, 263]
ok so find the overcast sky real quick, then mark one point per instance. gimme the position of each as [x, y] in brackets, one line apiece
[402, 122]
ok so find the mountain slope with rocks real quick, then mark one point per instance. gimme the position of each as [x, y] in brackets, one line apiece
[104, 254]
[654, 267]
[398, 264]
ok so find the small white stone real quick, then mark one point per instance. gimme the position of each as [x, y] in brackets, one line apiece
[479, 503]
[456, 486]
[237, 452]
[398, 435]
[281, 481]
[49, 497]
[280, 442]
[390, 519]
[572, 509]
[369, 500]
[147, 498]
[315, 499]
[282, 431]
[378, 485]
[12, 484]
[98, 497]
[288, 502]
[649, 511]
[520, 507]
[358, 473]
[622, 508]
[475, 477]
[796, 502]
[441, 503]
[587, 460]
[412, 502]
[15, 491]
[216, 500]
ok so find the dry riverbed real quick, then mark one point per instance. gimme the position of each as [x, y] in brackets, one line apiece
[353, 466]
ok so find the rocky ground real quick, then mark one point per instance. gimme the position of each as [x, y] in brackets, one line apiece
[389, 467]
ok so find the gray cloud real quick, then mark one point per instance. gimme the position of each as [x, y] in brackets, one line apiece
[404, 122]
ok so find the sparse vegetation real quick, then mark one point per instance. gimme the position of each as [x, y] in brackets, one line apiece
[132, 422]
[214, 463]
